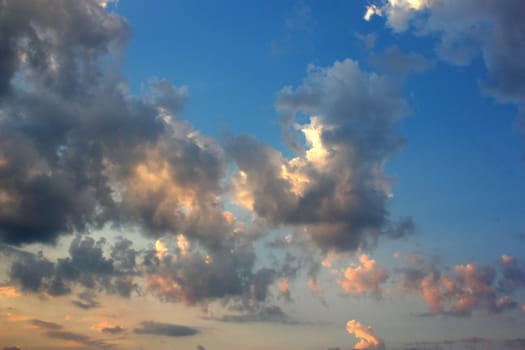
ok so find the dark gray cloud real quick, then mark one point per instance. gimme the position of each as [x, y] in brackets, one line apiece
[199, 278]
[335, 190]
[86, 300]
[45, 324]
[123, 254]
[401, 229]
[77, 152]
[113, 330]
[77, 34]
[221, 274]
[32, 273]
[200, 347]
[165, 329]
[394, 62]
[12, 348]
[85, 266]
[78, 338]
[56, 53]
[86, 263]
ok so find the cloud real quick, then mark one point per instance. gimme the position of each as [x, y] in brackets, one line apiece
[366, 335]
[85, 266]
[123, 254]
[193, 278]
[334, 190]
[492, 30]
[364, 279]
[78, 338]
[368, 40]
[45, 325]
[113, 330]
[8, 291]
[79, 153]
[467, 288]
[105, 327]
[86, 300]
[165, 329]
[12, 317]
[189, 275]
[513, 274]
[401, 229]
[46, 45]
[31, 272]
[269, 313]
[12, 348]
[86, 153]
[284, 289]
[394, 62]
[398, 13]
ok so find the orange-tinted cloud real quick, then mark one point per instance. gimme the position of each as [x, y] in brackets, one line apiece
[466, 288]
[366, 335]
[9, 291]
[364, 279]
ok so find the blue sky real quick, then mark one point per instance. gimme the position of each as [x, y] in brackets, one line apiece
[279, 174]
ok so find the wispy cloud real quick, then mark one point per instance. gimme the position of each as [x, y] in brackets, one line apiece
[165, 329]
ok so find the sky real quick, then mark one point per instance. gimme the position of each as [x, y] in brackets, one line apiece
[299, 175]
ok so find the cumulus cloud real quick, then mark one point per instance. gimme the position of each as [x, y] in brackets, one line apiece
[366, 335]
[78, 152]
[466, 288]
[466, 30]
[32, 272]
[85, 266]
[194, 277]
[42, 195]
[334, 190]
[165, 329]
[188, 275]
[366, 278]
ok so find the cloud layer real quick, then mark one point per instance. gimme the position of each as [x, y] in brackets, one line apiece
[334, 190]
